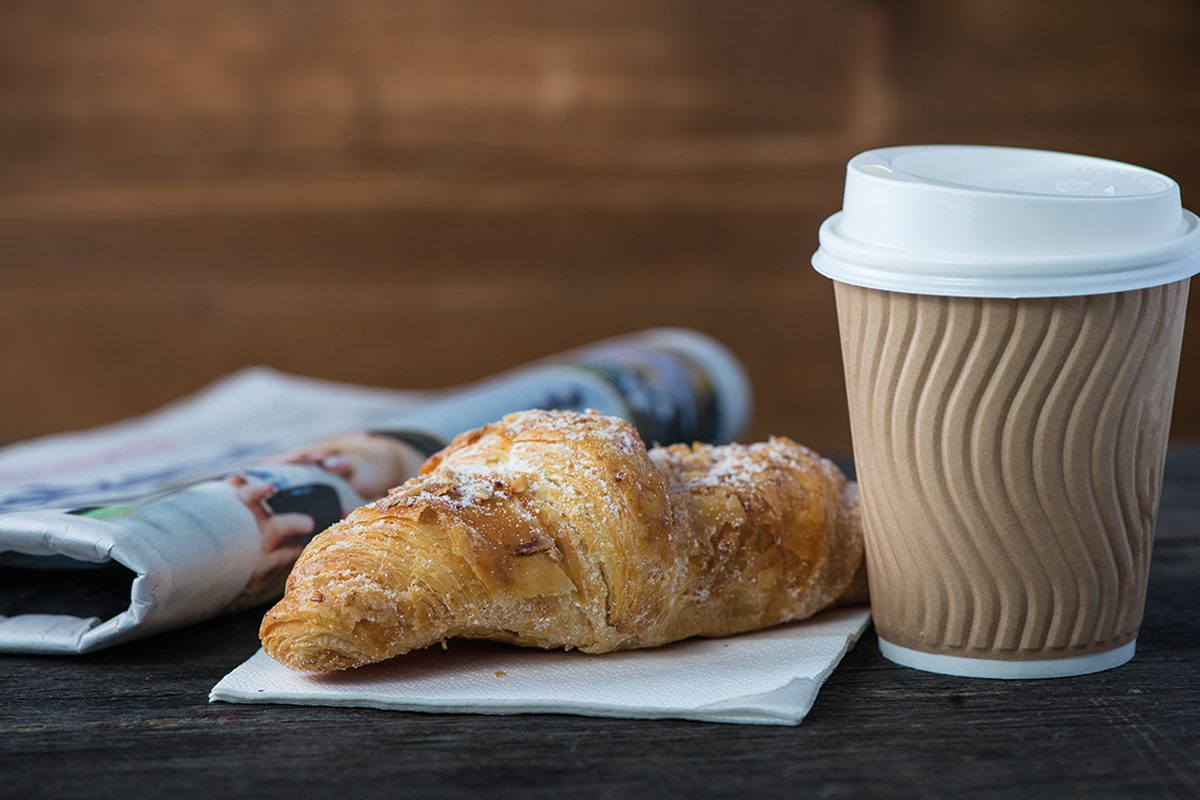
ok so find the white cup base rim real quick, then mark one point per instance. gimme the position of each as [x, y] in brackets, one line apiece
[1004, 669]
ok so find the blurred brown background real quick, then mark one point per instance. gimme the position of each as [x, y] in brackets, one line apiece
[415, 194]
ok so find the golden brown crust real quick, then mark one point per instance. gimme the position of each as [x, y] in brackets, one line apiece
[768, 529]
[559, 529]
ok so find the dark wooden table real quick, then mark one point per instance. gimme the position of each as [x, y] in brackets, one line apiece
[135, 721]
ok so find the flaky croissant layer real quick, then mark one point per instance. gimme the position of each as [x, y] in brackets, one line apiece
[560, 530]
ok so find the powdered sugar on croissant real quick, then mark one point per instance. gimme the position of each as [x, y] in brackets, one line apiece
[559, 529]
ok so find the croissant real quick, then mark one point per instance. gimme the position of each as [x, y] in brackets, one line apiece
[559, 530]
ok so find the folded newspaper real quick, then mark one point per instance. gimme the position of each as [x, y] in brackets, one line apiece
[201, 508]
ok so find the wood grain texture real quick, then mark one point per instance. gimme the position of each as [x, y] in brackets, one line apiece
[423, 192]
[134, 721]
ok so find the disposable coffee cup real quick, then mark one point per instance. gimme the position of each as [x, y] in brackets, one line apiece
[1011, 324]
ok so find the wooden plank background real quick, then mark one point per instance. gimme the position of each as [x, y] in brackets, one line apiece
[415, 194]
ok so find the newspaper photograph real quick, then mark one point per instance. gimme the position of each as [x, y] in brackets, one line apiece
[202, 507]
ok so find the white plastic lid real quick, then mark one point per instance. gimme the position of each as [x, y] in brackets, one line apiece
[1006, 222]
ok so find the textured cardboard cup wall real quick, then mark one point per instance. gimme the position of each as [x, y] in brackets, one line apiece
[1010, 457]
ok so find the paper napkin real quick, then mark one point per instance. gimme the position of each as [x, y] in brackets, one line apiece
[768, 677]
